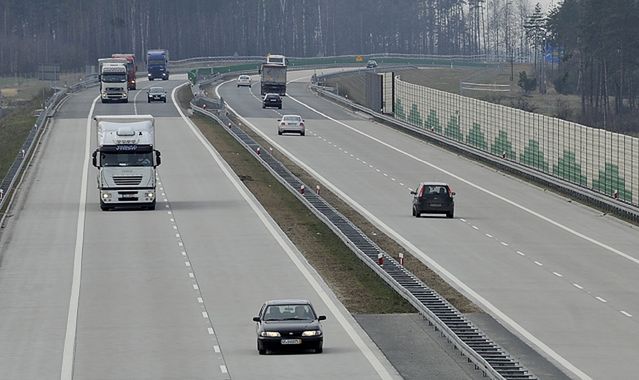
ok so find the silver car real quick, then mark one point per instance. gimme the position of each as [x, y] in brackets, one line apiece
[156, 94]
[244, 80]
[291, 123]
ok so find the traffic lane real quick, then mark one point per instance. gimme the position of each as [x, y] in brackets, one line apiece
[477, 258]
[577, 256]
[36, 253]
[604, 229]
[239, 265]
[333, 165]
[138, 316]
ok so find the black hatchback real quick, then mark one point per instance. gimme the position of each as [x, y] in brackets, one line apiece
[433, 198]
[288, 324]
[272, 100]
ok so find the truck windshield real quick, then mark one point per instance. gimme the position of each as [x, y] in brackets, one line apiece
[110, 159]
[114, 77]
[155, 62]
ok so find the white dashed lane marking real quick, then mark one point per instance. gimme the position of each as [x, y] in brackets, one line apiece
[194, 283]
[554, 273]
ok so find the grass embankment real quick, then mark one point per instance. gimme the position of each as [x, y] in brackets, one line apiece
[449, 79]
[14, 128]
[356, 285]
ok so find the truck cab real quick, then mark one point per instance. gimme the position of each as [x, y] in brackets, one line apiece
[126, 160]
[157, 62]
[113, 83]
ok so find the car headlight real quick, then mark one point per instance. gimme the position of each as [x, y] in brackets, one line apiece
[312, 333]
[272, 334]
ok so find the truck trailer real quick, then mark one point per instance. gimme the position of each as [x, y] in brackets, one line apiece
[157, 64]
[131, 68]
[273, 79]
[126, 160]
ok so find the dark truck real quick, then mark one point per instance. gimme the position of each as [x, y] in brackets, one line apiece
[157, 62]
[273, 79]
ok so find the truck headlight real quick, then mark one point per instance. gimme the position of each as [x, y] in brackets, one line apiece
[106, 195]
[150, 194]
[312, 333]
[148, 75]
[272, 334]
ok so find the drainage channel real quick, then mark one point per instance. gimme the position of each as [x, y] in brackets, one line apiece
[487, 356]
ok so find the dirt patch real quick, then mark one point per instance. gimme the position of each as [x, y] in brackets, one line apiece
[386, 243]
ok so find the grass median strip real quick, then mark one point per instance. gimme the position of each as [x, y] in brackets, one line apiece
[356, 285]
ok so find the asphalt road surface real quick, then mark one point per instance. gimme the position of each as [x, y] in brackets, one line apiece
[559, 275]
[164, 294]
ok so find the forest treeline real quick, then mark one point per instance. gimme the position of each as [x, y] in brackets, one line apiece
[596, 39]
[600, 59]
[77, 32]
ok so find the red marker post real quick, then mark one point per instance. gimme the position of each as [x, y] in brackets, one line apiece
[302, 188]
[258, 151]
[380, 259]
[401, 259]
[317, 189]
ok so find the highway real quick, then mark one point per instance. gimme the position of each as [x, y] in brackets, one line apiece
[561, 276]
[164, 294]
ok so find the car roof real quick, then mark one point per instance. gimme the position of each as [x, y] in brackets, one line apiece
[244, 76]
[283, 116]
[288, 302]
[434, 183]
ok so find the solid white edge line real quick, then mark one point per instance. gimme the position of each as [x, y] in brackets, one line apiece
[494, 311]
[381, 370]
[68, 354]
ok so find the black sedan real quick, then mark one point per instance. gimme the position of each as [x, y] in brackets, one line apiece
[156, 94]
[289, 324]
[272, 100]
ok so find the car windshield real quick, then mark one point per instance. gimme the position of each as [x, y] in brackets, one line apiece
[114, 77]
[289, 313]
[156, 90]
[244, 77]
[126, 159]
[292, 118]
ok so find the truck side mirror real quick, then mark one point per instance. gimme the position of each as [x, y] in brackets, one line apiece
[158, 159]
[95, 159]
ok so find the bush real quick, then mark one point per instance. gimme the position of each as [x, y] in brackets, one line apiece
[527, 84]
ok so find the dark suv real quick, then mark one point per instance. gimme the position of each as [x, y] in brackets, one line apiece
[272, 100]
[433, 198]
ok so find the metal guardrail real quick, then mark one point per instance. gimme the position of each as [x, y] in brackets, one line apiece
[582, 194]
[487, 356]
[7, 186]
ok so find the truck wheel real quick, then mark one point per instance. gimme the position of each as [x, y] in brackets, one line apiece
[103, 101]
[126, 100]
[104, 207]
[164, 100]
[149, 100]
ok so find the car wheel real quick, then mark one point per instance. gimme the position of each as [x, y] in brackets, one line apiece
[260, 348]
[319, 349]
[450, 214]
[164, 100]
[279, 133]
[280, 107]
[263, 106]
[149, 100]
[416, 213]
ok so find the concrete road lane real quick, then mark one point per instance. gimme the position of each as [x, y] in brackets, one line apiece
[540, 264]
[35, 264]
[164, 294]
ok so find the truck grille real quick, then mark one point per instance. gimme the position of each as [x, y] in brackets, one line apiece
[133, 180]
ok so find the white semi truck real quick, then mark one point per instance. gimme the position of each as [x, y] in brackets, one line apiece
[113, 82]
[126, 159]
